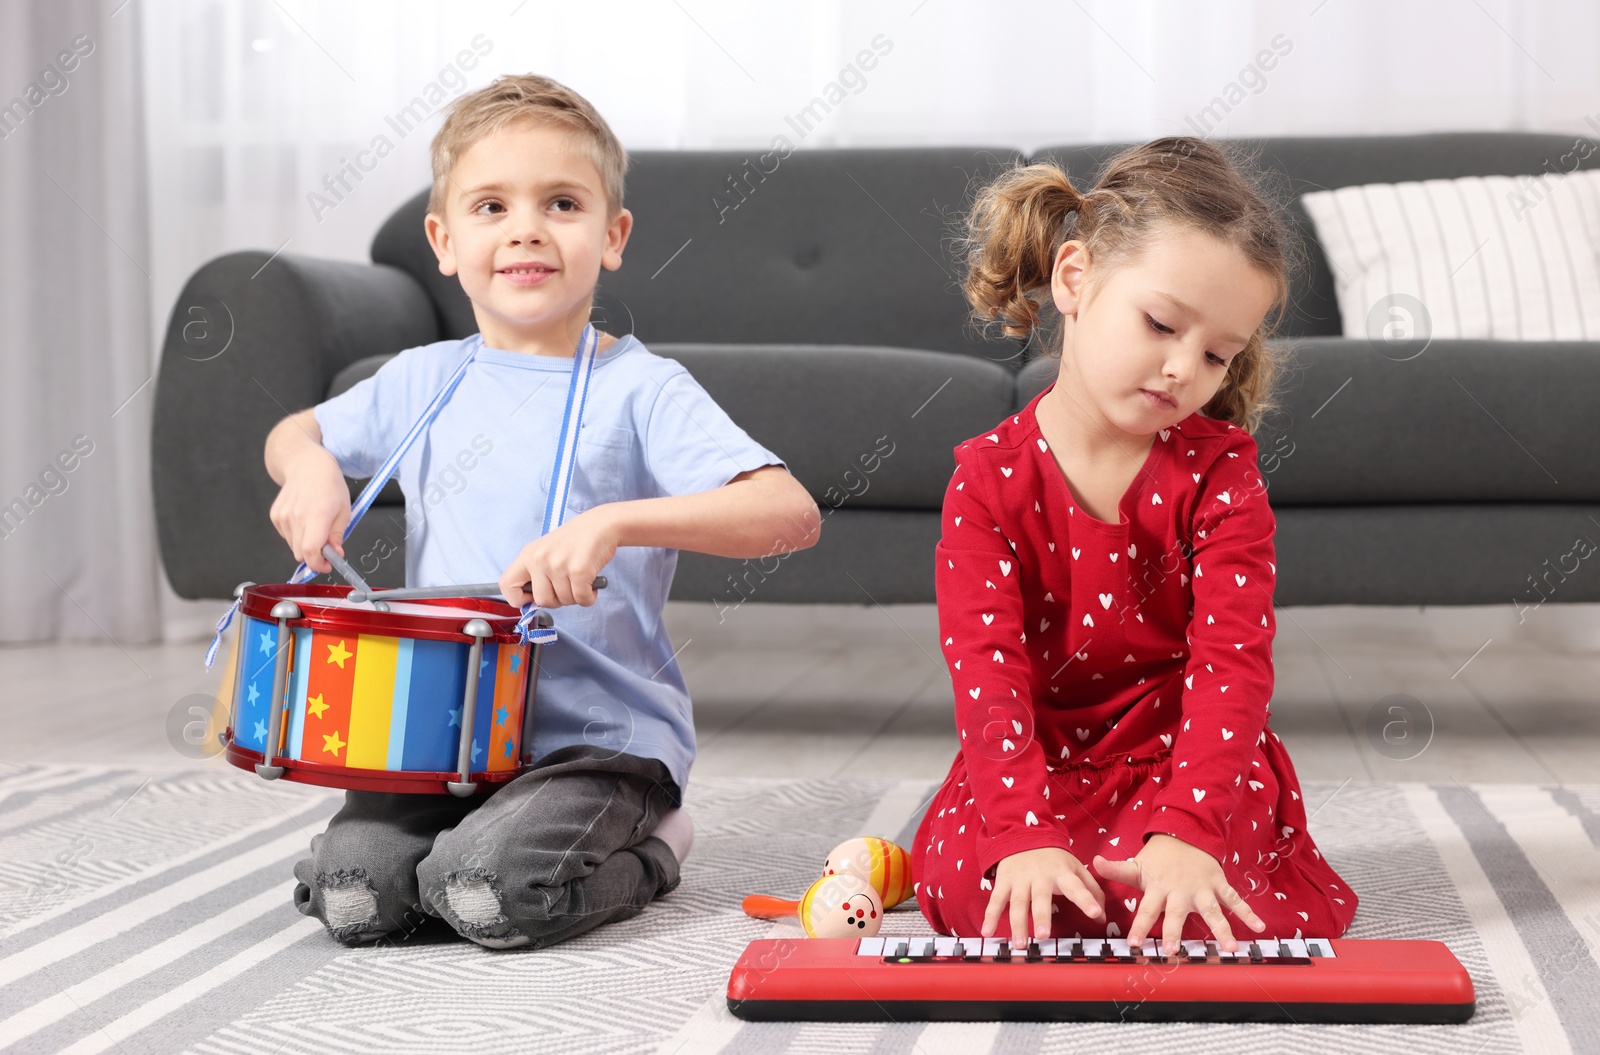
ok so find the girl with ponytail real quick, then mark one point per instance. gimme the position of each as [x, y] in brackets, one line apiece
[1106, 570]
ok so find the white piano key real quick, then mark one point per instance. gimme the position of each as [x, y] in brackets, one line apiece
[1324, 946]
[1295, 946]
[870, 947]
[944, 946]
[1119, 946]
[991, 946]
[1093, 948]
[1148, 948]
[1195, 947]
[1048, 946]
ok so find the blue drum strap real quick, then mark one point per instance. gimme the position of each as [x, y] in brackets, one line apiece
[560, 479]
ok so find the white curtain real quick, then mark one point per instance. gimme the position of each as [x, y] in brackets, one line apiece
[77, 542]
[197, 127]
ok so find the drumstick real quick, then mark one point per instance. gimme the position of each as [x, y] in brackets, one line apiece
[350, 575]
[421, 593]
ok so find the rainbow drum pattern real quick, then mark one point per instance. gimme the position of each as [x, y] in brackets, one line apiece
[429, 696]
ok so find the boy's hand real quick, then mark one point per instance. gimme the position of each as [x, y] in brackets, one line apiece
[1178, 878]
[560, 568]
[1032, 878]
[312, 507]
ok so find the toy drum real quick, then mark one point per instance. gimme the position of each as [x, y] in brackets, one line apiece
[429, 696]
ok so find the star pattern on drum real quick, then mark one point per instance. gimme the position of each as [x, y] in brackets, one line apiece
[377, 702]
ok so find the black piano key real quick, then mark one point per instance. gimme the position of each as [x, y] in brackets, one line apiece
[903, 949]
[1314, 949]
[1211, 951]
[1004, 952]
[958, 950]
[1077, 950]
[1033, 951]
[1255, 952]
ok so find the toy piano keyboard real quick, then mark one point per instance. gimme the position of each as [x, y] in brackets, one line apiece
[1099, 979]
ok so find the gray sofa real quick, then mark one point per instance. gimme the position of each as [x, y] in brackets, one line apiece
[816, 297]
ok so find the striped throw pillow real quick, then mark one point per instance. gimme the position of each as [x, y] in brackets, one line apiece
[1513, 258]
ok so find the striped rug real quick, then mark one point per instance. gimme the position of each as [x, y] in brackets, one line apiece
[150, 912]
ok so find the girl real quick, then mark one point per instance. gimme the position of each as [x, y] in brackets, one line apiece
[1106, 571]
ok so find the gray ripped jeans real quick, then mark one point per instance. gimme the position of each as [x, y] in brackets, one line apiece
[561, 849]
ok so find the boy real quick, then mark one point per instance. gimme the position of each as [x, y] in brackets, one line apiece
[526, 208]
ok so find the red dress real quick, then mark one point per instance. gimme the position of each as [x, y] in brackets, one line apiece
[1112, 681]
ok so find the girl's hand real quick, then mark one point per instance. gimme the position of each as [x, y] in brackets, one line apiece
[1033, 878]
[1178, 878]
[312, 507]
[560, 568]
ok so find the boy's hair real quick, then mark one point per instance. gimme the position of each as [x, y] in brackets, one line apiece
[517, 96]
[1019, 222]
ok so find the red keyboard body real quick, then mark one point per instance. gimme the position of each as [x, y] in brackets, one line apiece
[927, 978]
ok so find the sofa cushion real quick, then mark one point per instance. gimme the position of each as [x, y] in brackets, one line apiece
[1446, 421]
[1295, 165]
[816, 247]
[831, 413]
[1511, 258]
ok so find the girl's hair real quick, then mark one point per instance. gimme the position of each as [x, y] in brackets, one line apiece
[1019, 222]
[479, 114]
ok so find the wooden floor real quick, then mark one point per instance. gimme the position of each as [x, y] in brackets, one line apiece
[830, 690]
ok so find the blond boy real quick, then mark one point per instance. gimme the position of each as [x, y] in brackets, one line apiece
[526, 209]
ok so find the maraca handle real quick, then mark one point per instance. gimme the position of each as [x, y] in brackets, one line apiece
[764, 906]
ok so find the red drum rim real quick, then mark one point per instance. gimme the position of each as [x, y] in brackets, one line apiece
[257, 602]
[403, 781]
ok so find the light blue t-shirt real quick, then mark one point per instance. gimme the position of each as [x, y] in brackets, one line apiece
[475, 484]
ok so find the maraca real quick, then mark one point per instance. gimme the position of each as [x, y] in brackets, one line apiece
[836, 906]
[880, 862]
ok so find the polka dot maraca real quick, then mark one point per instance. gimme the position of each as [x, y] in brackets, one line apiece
[841, 906]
